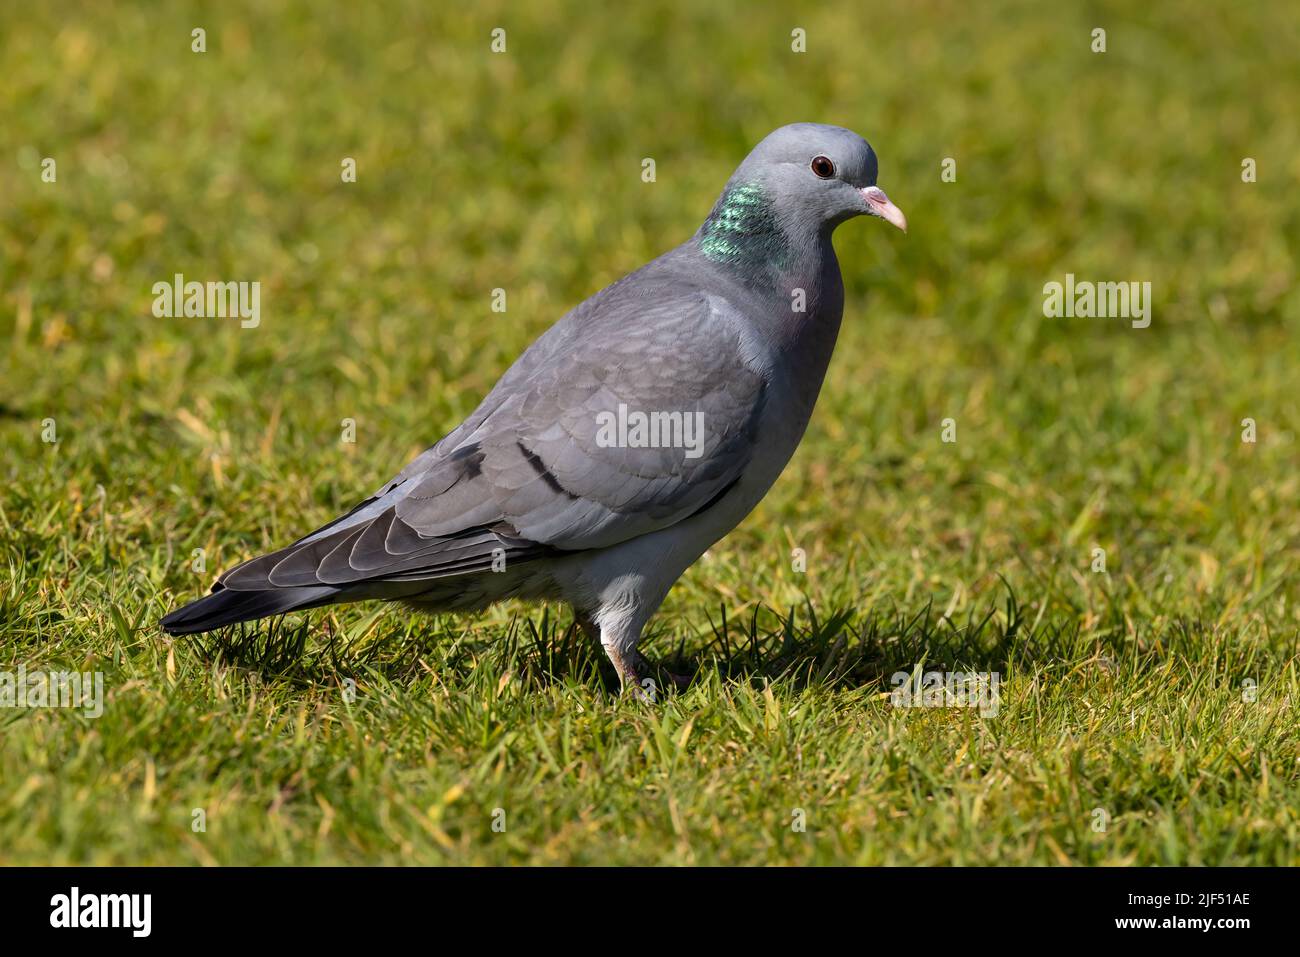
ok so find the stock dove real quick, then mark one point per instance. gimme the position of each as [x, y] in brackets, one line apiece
[637, 431]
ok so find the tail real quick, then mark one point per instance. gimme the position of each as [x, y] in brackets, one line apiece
[226, 606]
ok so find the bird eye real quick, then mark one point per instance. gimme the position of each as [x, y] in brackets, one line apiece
[823, 167]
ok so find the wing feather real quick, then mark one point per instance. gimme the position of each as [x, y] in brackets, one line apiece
[532, 472]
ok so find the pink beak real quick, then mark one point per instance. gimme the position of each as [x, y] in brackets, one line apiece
[878, 204]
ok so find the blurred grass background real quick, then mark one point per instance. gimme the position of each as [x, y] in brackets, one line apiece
[522, 171]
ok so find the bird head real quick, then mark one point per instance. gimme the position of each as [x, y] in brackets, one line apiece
[827, 173]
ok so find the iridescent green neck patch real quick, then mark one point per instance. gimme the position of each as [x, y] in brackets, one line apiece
[742, 230]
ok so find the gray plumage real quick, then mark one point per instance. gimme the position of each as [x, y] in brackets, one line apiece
[528, 497]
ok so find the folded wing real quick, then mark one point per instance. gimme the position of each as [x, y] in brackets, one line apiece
[591, 439]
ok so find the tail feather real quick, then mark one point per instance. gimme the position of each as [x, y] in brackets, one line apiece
[228, 607]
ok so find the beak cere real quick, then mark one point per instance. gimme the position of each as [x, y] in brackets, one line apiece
[878, 204]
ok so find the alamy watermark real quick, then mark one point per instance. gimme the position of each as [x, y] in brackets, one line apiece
[634, 429]
[74, 909]
[53, 689]
[1085, 299]
[947, 689]
[209, 300]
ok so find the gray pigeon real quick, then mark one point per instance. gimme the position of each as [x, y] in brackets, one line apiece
[636, 432]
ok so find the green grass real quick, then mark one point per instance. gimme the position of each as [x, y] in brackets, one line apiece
[1123, 690]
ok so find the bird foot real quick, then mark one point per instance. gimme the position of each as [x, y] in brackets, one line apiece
[643, 679]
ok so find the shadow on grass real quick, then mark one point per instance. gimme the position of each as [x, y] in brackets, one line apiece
[845, 649]
[852, 649]
[848, 648]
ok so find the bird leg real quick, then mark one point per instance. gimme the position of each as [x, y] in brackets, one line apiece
[636, 675]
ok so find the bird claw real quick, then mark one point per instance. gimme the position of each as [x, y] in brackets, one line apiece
[641, 678]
